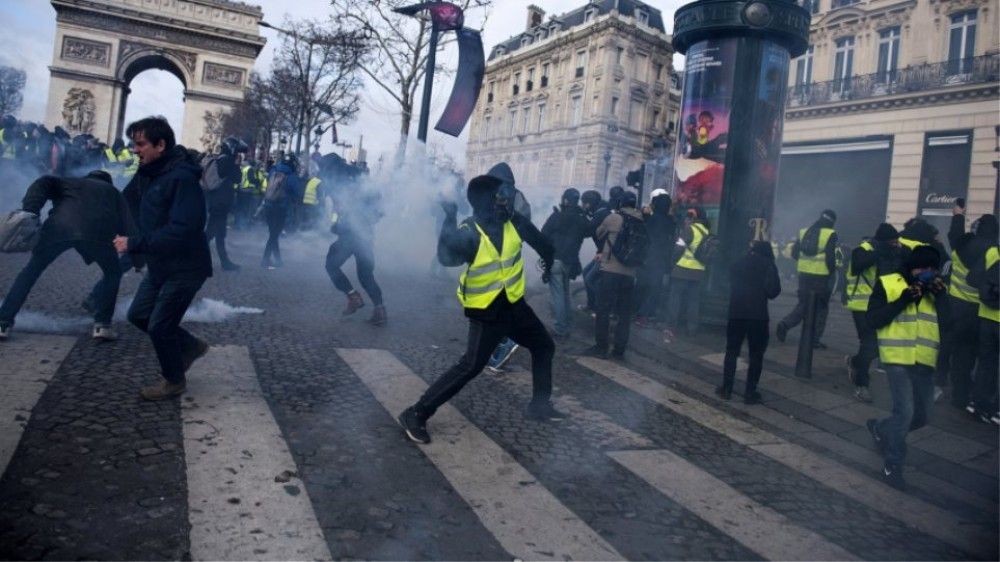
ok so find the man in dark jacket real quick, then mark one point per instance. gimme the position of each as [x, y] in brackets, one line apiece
[87, 213]
[170, 212]
[357, 213]
[492, 294]
[567, 227]
[597, 210]
[754, 280]
[662, 229]
[220, 199]
[816, 258]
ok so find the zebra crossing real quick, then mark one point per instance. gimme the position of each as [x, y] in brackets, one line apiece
[246, 502]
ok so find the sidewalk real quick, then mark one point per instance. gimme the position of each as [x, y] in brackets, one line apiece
[952, 462]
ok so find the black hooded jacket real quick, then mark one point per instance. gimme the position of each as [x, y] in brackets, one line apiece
[169, 207]
[567, 227]
[662, 229]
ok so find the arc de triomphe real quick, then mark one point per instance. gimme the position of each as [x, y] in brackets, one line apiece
[101, 45]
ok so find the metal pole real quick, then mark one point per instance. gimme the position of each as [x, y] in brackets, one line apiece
[425, 106]
[803, 363]
[305, 101]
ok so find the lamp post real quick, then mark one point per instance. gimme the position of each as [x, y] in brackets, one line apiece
[732, 111]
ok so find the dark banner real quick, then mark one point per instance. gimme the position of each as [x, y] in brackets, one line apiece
[471, 67]
[444, 15]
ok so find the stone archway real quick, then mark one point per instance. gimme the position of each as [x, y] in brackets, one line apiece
[210, 45]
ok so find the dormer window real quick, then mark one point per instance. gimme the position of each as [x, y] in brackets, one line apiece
[525, 41]
[589, 15]
[642, 17]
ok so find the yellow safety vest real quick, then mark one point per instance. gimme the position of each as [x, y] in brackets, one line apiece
[959, 286]
[109, 155]
[492, 271]
[912, 338]
[814, 265]
[988, 312]
[311, 196]
[130, 160]
[859, 285]
[6, 148]
[911, 244]
[688, 261]
[245, 186]
[261, 182]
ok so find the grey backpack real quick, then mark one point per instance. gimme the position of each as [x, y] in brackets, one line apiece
[19, 232]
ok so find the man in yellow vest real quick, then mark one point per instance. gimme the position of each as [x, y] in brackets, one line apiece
[491, 291]
[873, 258]
[904, 309]
[986, 278]
[816, 262]
[684, 299]
[311, 198]
[962, 336]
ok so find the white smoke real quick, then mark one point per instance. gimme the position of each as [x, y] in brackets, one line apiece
[208, 311]
[45, 323]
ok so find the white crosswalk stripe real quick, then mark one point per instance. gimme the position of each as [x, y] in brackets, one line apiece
[528, 521]
[234, 449]
[27, 364]
[756, 526]
[967, 535]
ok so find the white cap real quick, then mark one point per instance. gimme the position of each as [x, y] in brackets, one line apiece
[658, 192]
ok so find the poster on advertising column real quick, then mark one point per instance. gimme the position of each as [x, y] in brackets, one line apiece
[699, 166]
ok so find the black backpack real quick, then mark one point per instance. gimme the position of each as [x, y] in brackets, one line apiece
[632, 243]
[707, 250]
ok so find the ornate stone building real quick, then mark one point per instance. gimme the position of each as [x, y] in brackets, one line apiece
[577, 100]
[101, 45]
[892, 114]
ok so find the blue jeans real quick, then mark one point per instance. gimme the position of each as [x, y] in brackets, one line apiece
[157, 309]
[685, 304]
[103, 295]
[912, 388]
[559, 295]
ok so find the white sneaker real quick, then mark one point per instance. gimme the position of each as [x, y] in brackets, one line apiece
[863, 394]
[5, 330]
[103, 332]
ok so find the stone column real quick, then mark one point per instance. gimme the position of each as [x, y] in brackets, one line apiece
[732, 111]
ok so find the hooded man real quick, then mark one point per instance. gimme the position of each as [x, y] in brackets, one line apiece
[662, 229]
[220, 199]
[567, 228]
[491, 291]
[87, 213]
[904, 309]
[169, 208]
[597, 210]
[872, 259]
[815, 253]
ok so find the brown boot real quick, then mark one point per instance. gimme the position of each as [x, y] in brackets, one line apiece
[162, 391]
[378, 316]
[354, 302]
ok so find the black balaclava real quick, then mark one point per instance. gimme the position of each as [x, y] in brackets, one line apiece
[482, 195]
[591, 199]
[571, 198]
[615, 196]
[988, 228]
[628, 201]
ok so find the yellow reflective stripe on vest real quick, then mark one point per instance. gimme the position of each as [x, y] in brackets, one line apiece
[959, 285]
[987, 312]
[492, 271]
[688, 261]
[913, 337]
[814, 265]
[859, 287]
[6, 148]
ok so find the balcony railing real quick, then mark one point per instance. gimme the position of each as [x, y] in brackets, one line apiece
[932, 76]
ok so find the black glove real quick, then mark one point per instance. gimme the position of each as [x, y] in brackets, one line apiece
[450, 208]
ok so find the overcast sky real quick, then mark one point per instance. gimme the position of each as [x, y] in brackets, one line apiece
[28, 44]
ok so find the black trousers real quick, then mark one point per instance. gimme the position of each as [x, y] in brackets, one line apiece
[216, 228]
[867, 348]
[364, 260]
[649, 289]
[157, 309]
[518, 323]
[615, 293]
[276, 217]
[963, 335]
[985, 391]
[755, 332]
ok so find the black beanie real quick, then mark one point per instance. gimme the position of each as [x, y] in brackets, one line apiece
[886, 232]
[829, 215]
[100, 175]
[629, 200]
[922, 256]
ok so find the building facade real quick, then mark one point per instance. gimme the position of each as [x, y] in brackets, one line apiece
[892, 113]
[577, 100]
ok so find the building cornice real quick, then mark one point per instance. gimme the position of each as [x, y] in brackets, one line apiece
[84, 76]
[936, 97]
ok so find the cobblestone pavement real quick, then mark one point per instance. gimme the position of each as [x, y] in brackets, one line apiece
[285, 447]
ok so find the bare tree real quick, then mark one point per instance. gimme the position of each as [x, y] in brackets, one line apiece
[397, 60]
[12, 82]
[323, 59]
